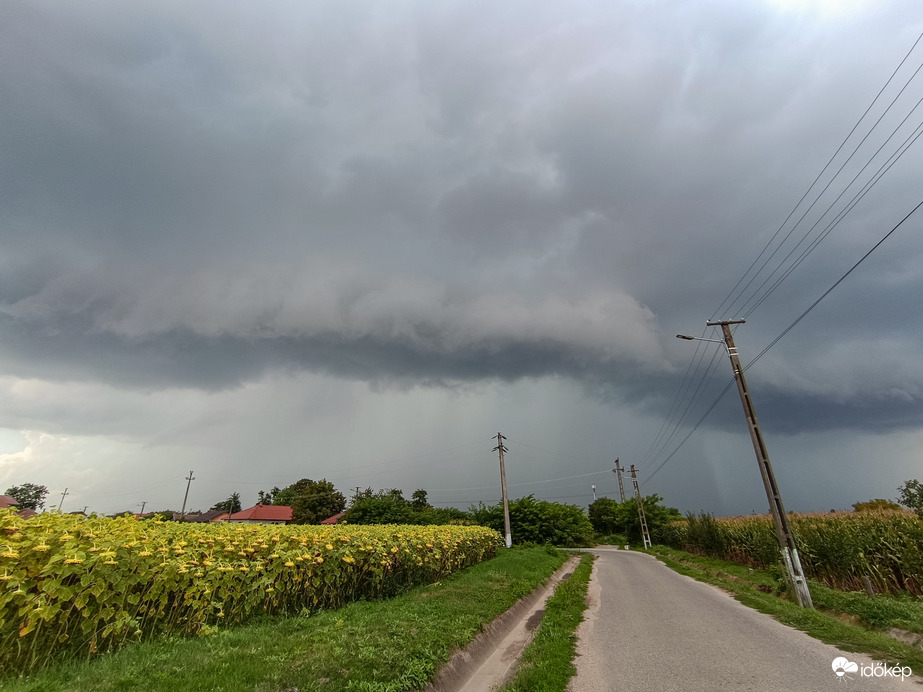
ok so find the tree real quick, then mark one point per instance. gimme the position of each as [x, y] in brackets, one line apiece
[269, 498]
[28, 495]
[876, 505]
[419, 499]
[231, 505]
[912, 495]
[390, 507]
[311, 501]
[611, 517]
[538, 521]
[383, 508]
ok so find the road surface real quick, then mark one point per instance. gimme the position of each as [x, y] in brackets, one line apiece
[649, 628]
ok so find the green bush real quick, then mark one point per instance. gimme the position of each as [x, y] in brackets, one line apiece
[538, 521]
[390, 507]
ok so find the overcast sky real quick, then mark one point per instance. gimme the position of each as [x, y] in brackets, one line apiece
[271, 241]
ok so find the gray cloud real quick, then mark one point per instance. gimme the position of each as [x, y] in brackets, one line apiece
[451, 196]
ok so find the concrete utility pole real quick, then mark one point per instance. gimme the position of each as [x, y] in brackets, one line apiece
[182, 514]
[646, 537]
[783, 531]
[594, 492]
[142, 507]
[506, 503]
[618, 472]
[61, 503]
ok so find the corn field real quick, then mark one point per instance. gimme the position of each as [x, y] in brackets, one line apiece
[70, 585]
[837, 549]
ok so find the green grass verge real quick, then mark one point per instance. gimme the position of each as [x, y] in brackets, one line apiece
[760, 589]
[547, 664]
[380, 646]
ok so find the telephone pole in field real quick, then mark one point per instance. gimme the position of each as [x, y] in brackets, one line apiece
[61, 503]
[645, 536]
[182, 514]
[784, 535]
[506, 503]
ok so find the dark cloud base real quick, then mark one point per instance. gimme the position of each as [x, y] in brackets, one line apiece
[180, 358]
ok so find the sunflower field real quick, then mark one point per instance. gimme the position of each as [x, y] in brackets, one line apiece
[838, 549]
[71, 585]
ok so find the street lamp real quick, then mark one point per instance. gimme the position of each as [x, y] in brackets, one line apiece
[783, 532]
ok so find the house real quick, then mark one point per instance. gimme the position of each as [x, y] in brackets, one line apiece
[335, 519]
[12, 502]
[211, 515]
[263, 514]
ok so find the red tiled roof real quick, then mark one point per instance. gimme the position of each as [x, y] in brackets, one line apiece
[262, 512]
[334, 519]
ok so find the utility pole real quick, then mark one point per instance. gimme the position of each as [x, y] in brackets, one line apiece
[61, 503]
[506, 503]
[594, 492]
[645, 536]
[780, 518]
[182, 514]
[618, 472]
[142, 506]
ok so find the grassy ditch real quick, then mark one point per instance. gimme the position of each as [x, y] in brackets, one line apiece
[377, 646]
[849, 620]
[547, 664]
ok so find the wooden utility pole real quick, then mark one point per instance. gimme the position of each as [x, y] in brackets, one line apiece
[618, 472]
[506, 503]
[61, 503]
[783, 531]
[645, 536]
[182, 514]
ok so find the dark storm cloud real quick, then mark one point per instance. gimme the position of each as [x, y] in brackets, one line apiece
[194, 196]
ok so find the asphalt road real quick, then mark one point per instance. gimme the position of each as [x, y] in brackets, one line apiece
[649, 628]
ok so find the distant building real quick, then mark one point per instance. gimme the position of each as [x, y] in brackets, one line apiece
[335, 519]
[209, 516]
[10, 501]
[263, 514]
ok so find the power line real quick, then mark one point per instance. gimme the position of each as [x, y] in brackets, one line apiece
[884, 168]
[693, 400]
[787, 265]
[815, 182]
[781, 335]
[829, 290]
